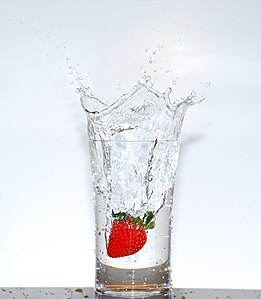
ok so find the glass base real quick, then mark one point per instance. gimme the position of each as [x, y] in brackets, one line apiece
[148, 282]
[134, 294]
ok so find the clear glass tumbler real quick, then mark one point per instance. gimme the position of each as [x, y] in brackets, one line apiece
[134, 147]
[133, 192]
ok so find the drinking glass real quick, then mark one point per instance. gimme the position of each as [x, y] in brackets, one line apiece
[134, 147]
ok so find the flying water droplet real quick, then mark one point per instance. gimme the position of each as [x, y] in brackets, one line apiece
[167, 92]
[193, 94]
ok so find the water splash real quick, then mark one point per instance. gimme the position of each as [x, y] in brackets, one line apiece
[134, 141]
[143, 114]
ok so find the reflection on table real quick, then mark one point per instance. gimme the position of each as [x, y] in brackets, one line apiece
[81, 293]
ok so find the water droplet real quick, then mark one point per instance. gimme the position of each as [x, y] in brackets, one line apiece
[146, 80]
[150, 60]
[208, 84]
[80, 77]
[167, 92]
[154, 52]
[193, 94]
[174, 82]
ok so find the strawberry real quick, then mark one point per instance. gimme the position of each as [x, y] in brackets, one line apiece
[125, 239]
[128, 234]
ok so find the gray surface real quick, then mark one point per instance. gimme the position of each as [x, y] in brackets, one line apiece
[80, 293]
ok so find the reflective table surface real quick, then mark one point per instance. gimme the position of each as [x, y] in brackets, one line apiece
[80, 293]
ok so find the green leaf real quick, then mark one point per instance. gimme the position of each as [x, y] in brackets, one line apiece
[122, 216]
[151, 225]
[150, 215]
[139, 222]
[133, 220]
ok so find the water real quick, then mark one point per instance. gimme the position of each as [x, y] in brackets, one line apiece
[134, 177]
[143, 114]
[134, 147]
[112, 280]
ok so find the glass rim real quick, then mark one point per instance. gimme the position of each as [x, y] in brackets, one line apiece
[134, 141]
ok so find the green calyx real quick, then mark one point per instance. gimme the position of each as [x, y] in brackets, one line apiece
[147, 221]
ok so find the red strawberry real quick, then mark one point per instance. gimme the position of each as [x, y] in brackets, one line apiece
[128, 234]
[125, 239]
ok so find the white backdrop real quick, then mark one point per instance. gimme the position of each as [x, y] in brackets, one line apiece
[46, 211]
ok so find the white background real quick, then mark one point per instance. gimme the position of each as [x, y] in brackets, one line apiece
[46, 210]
